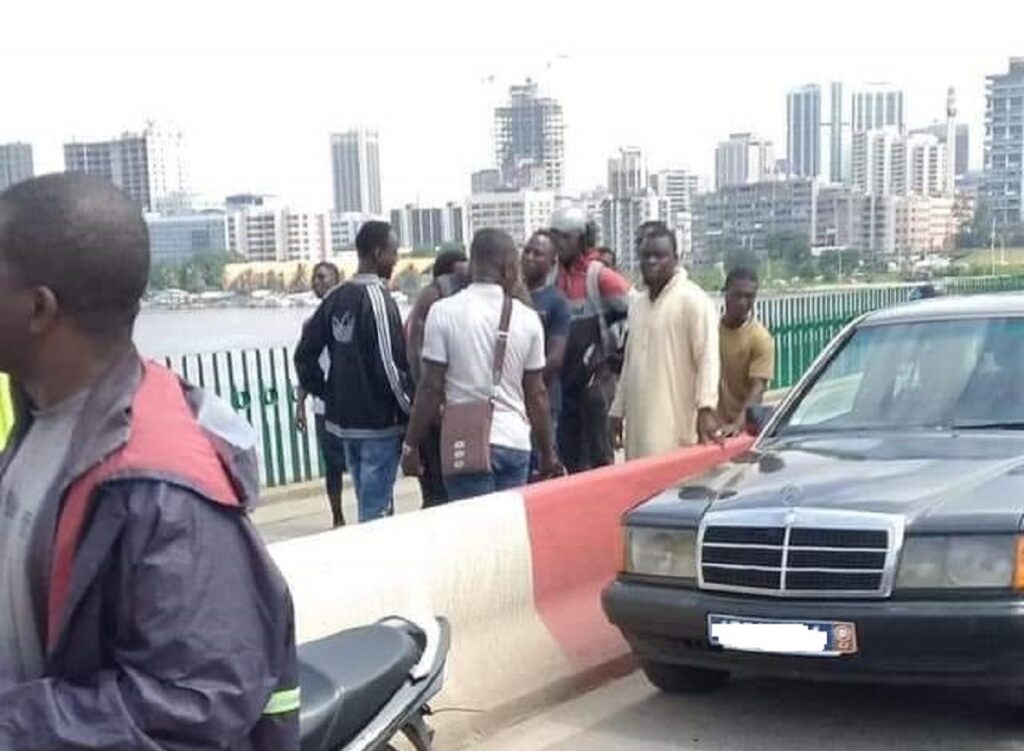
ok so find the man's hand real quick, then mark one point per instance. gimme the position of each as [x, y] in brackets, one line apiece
[615, 428]
[709, 429]
[412, 466]
[300, 413]
[734, 429]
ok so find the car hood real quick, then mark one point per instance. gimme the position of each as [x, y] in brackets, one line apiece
[938, 482]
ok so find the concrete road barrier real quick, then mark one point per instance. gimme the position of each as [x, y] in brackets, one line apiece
[517, 574]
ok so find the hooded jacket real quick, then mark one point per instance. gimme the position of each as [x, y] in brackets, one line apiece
[166, 624]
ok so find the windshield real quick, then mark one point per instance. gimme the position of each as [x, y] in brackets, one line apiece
[939, 374]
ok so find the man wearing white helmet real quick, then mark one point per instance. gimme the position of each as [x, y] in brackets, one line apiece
[599, 301]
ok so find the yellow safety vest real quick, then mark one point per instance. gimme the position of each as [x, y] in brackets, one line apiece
[6, 411]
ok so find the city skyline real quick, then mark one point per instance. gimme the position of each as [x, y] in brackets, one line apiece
[432, 95]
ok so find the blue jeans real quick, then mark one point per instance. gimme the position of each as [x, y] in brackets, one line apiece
[510, 468]
[373, 466]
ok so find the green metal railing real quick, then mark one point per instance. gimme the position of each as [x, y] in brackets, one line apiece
[260, 384]
[803, 324]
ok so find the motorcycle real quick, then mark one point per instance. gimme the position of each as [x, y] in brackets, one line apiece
[363, 687]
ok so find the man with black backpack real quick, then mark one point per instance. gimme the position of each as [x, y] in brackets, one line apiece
[599, 301]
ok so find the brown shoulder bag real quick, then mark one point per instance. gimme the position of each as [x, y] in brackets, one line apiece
[466, 428]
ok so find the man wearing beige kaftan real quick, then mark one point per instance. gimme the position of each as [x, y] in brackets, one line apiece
[668, 392]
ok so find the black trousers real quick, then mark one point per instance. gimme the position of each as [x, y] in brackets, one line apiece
[432, 481]
[584, 439]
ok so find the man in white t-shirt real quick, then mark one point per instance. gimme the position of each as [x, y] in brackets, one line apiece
[458, 359]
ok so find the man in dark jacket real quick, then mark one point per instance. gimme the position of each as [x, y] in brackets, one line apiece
[368, 392]
[138, 607]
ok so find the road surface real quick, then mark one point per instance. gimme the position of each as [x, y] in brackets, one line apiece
[302, 510]
[759, 715]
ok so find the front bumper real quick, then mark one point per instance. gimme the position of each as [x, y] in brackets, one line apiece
[952, 642]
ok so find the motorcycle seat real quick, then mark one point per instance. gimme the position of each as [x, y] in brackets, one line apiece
[347, 678]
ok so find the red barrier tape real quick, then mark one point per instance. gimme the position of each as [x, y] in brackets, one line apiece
[576, 541]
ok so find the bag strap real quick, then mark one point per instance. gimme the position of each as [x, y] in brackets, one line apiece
[594, 296]
[501, 346]
[444, 285]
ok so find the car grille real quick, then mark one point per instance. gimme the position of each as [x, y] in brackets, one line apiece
[799, 553]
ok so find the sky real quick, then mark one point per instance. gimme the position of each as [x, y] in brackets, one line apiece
[258, 86]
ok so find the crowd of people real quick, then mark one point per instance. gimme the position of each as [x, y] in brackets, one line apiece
[124, 490]
[518, 365]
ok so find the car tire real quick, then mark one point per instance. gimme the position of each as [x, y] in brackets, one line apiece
[681, 679]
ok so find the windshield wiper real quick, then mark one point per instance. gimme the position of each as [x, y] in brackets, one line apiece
[993, 425]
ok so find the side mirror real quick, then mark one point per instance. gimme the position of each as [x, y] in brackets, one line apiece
[757, 417]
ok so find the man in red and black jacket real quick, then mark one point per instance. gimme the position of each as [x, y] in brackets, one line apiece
[139, 608]
[599, 301]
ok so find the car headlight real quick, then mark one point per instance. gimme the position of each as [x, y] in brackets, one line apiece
[958, 562]
[661, 552]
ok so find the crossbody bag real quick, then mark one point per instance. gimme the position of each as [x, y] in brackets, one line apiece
[466, 427]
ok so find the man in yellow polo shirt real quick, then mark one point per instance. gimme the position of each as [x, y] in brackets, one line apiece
[747, 350]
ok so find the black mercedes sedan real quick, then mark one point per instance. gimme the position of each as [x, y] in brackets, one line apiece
[874, 531]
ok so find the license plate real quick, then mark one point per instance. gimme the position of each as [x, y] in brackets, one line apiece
[803, 638]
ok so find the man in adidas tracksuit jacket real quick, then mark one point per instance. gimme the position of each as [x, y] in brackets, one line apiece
[368, 391]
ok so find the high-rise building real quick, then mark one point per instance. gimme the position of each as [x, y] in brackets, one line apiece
[902, 228]
[871, 163]
[962, 148]
[15, 163]
[517, 212]
[886, 162]
[123, 161]
[342, 229]
[877, 105]
[950, 141]
[743, 159]
[680, 187]
[428, 227]
[816, 126]
[803, 131]
[453, 228]
[530, 140]
[277, 233]
[591, 202]
[953, 138]
[1003, 188]
[621, 217]
[744, 217]
[170, 183]
[149, 166]
[355, 166]
[834, 225]
[837, 128]
[179, 238]
[627, 172]
[485, 180]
